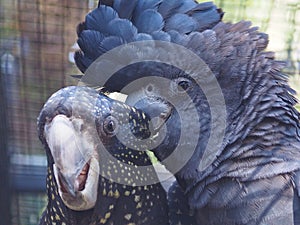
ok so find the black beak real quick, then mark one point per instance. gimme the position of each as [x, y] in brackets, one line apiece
[157, 109]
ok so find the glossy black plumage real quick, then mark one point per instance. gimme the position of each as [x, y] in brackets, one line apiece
[252, 177]
[127, 20]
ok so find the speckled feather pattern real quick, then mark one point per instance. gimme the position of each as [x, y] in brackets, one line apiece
[122, 202]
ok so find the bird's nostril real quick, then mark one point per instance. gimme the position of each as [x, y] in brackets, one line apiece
[149, 88]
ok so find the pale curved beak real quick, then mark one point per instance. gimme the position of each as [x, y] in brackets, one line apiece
[68, 150]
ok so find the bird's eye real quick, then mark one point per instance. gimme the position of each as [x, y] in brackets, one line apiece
[150, 88]
[184, 84]
[110, 125]
[181, 85]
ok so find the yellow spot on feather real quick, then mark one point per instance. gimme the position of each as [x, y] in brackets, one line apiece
[57, 217]
[110, 193]
[137, 198]
[128, 216]
[103, 221]
[117, 194]
[139, 205]
[107, 215]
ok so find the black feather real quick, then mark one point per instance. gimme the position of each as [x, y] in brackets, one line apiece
[82, 61]
[99, 19]
[143, 37]
[122, 28]
[169, 7]
[149, 21]
[89, 42]
[124, 8]
[187, 6]
[143, 5]
[181, 23]
[111, 42]
[161, 36]
[106, 2]
[206, 14]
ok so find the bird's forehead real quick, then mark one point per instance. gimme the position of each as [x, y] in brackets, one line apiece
[66, 102]
[74, 96]
[85, 103]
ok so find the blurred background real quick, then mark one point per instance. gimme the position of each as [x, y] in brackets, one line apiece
[37, 42]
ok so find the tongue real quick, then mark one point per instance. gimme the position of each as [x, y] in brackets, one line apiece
[81, 179]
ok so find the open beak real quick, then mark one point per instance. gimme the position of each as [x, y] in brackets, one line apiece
[71, 156]
[67, 183]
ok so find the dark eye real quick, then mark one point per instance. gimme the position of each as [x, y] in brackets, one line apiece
[110, 125]
[184, 84]
[150, 88]
[181, 85]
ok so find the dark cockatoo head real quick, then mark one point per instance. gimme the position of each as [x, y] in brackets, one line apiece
[88, 136]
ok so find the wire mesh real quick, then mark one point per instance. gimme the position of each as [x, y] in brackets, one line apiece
[36, 39]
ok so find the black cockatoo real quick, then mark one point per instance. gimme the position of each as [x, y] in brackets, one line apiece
[231, 135]
[98, 171]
